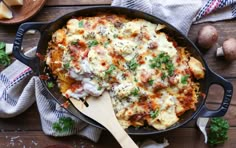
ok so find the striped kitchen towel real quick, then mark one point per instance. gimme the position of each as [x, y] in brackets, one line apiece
[182, 13]
[19, 89]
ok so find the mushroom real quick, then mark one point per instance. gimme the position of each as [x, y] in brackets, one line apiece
[228, 50]
[207, 37]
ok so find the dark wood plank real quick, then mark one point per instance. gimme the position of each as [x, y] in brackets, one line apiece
[190, 137]
[77, 2]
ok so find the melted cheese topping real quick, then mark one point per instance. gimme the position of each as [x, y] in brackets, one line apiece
[149, 77]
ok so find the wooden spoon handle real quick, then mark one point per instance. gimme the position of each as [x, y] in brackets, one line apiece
[119, 133]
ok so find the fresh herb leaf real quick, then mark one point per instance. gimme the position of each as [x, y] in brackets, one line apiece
[150, 82]
[135, 79]
[67, 65]
[64, 124]
[163, 62]
[74, 42]
[218, 131]
[132, 64]
[2, 45]
[135, 92]
[163, 75]
[115, 35]
[4, 58]
[110, 69]
[50, 84]
[92, 43]
[81, 24]
[106, 44]
[154, 114]
[99, 88]
[184, 79]
[170, 68]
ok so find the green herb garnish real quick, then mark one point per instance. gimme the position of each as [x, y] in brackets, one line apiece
[64, 124]
[135, 92]
[106, 44]
[81, 24]
[4, 58]
[163, 76]
[115, 35]
[50, 84]
[218, 131]
[154, 114]
[163, 62]
[2, 45]
[99, 88]
[150, 82]
[92, 43]
[110, 69]
[74, 43]
[67, 65]
[132, 64]
[184, 79]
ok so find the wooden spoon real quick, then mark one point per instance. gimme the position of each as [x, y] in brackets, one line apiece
[100, 109]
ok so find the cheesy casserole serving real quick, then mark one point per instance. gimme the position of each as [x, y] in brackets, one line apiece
[151, 80]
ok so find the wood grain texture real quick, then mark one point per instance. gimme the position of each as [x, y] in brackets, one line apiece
[25, 12]
[77, 2]
[187, 139]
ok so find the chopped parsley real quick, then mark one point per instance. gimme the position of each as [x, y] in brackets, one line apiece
[154, 114]
[50, 84]
[115, 35]
[135, 92]
[74, 43]
[67, 65]
[163, 76]
[110, 69]
[92, 43]
[81, 24]
[64, 124]
[150, 82]
[4, 58]
[99, 88]
[163, 62]
[132, 64]
[184, 79]
[106, 44]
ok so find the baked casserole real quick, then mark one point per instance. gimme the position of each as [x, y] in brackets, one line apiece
[151, 79]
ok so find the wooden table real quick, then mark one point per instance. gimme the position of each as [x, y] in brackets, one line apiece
[25, 129]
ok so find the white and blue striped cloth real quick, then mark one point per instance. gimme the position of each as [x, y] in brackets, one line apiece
[19, 89]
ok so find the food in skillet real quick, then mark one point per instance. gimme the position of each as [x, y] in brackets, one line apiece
[152, 81]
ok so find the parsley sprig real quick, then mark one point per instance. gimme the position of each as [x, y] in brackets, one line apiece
[110, 69]
[154, 114]
[64, 124]
[92, 43]
[4, 59]
[218, 131]
[132, 64]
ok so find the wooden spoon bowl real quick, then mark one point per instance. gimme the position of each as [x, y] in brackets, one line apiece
[100, 109]
[25, 12]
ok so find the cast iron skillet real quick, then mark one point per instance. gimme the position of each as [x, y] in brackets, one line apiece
[46, 30]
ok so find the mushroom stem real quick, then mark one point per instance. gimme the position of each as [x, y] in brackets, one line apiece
[219, 51]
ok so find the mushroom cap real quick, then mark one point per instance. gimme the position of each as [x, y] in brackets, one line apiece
[229, 48]
[207, 37]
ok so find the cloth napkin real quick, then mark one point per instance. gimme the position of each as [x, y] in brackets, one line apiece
[19, 88]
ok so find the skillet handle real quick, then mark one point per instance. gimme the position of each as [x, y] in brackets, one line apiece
[228, 92]
[32, 62]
